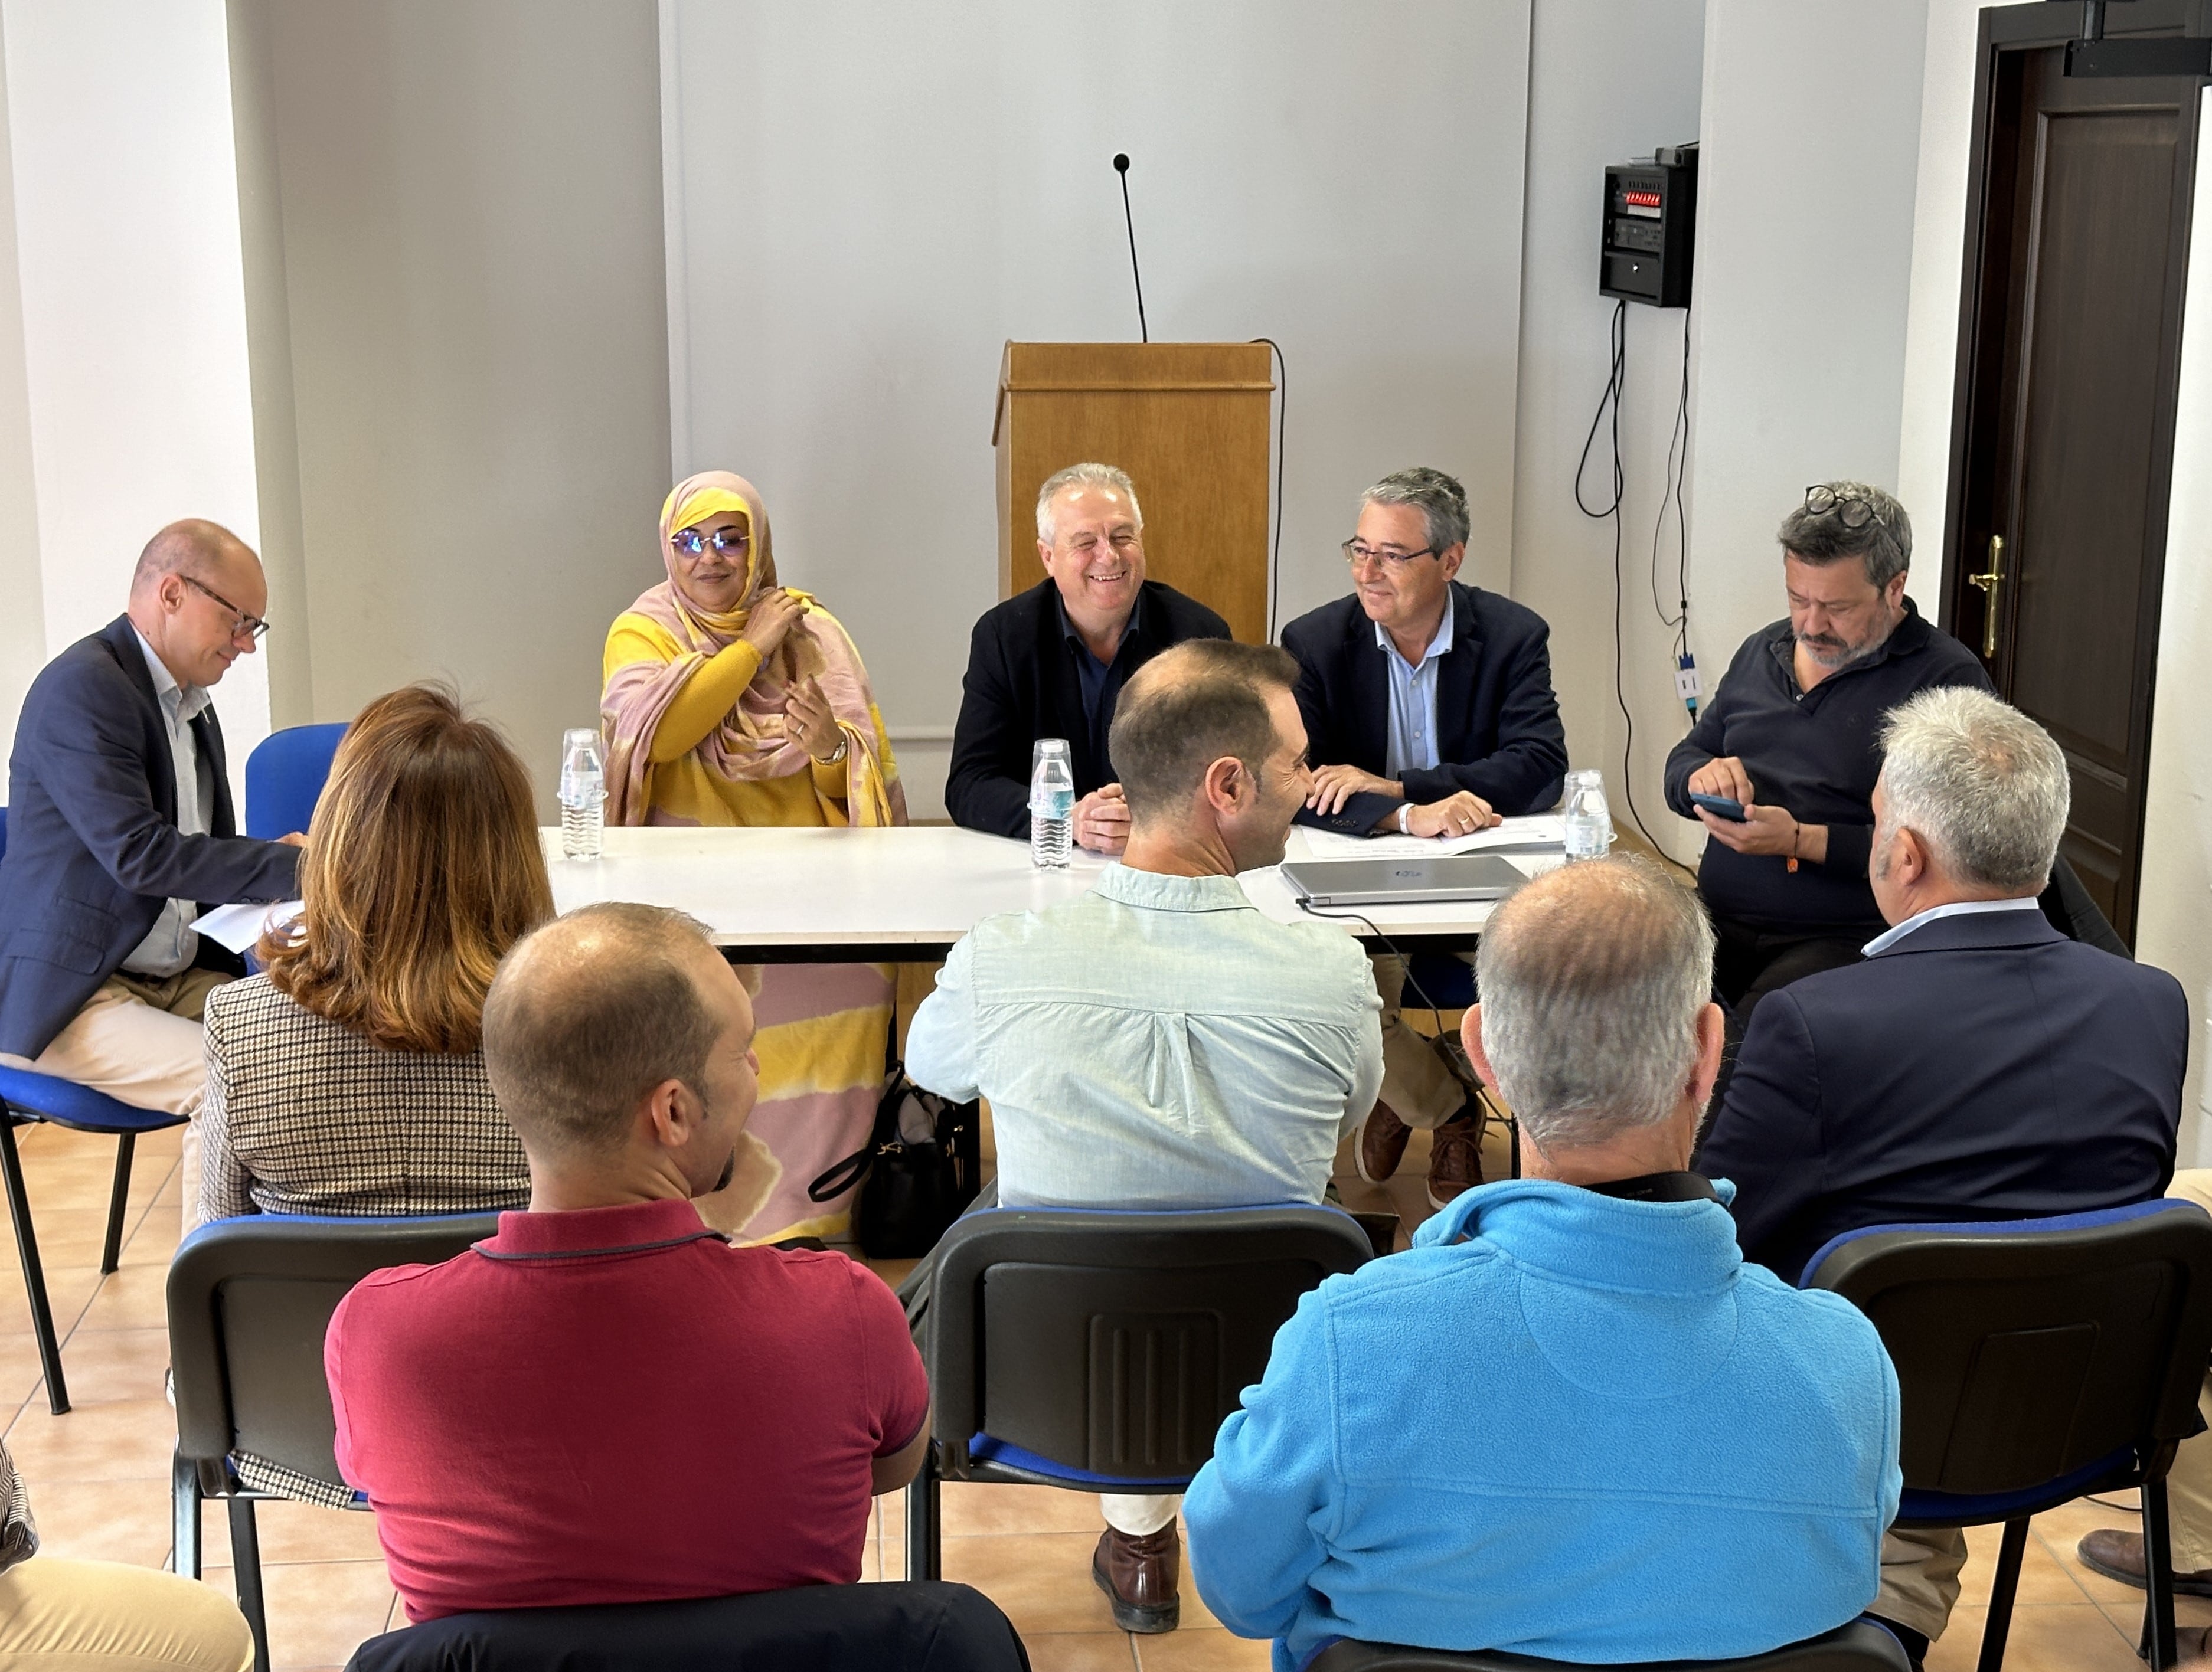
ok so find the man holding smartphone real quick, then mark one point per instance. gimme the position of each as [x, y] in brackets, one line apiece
[1792, 736]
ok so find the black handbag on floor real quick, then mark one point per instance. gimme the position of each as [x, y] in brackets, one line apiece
[922, 1167]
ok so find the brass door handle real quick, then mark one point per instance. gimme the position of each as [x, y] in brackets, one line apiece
[1988, 580]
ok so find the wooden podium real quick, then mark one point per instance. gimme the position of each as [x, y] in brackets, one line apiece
[1188, 422]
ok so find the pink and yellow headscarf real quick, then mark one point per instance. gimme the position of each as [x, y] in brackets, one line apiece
[754, 740]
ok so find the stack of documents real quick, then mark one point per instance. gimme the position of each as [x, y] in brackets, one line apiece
[1536, 834]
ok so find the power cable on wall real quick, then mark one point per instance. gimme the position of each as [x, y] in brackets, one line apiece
[1616, 383]
[1282, 429]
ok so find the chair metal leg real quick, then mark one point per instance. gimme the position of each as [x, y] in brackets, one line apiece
[2004, 1584]
[924, 1556]
[112, 1252]
[246, 1567]
[34, 1275]
[2157, 1644]
[185, 1517]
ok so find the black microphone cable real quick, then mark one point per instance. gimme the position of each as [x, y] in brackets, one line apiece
[1282, 430]
[1122, 167]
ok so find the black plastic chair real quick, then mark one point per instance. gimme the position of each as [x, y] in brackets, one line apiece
[1099, 1351]
[249, 1300]
[2039, 1359]
[1861, 1646]
[820, 1628]
[26, 1096]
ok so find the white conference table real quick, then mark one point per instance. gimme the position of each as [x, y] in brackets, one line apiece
[887, 896]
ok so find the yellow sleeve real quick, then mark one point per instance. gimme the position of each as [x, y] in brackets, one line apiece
[707, 696]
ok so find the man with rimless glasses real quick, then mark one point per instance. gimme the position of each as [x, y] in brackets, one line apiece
[1430, 712]
[1793, 737]
[121, 830]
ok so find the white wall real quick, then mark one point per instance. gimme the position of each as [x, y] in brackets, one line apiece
[1606, 82]
[2173, 929]
[468, 238]
[1805, 243]
[897, 192]
[132, 304]
[22, 628]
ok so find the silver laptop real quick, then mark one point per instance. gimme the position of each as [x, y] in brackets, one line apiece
[1445, 878]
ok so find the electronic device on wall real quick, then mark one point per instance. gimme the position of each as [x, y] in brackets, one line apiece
[1651, 229]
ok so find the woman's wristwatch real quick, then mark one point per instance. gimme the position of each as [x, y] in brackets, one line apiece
[830, 759]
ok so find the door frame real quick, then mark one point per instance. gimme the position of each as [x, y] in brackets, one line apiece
[1981, 317]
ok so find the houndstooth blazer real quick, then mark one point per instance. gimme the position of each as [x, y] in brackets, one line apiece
[303, 1115]
[18, 1537]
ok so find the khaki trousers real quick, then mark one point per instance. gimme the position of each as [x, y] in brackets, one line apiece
[138, 1037]
[1416, 1084]
[2189, 1485]
[58, 1615]
[1920, 1577]
[1138, 1513]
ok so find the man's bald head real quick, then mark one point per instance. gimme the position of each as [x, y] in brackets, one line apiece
[1204, 701]
[590, 1012]
[191, 547]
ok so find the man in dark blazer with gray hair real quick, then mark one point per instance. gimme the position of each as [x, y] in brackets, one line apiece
[1977, 1065]
[120, 829]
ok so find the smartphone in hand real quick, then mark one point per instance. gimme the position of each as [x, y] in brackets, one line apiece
[1720, 807]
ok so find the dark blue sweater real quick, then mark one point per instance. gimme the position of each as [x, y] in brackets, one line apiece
[1816, 753]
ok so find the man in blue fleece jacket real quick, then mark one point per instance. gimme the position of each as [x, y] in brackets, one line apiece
[1673, 1455]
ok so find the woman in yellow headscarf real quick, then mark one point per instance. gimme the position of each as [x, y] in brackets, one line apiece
[730, 698]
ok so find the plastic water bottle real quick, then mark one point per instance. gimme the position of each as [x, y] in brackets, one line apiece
[583, 794]
[1052, 803]
[1589, 819]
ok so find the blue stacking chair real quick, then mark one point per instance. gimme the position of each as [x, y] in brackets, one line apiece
[1099, 1351]
[1860, 1646]
[284, 778]
[26, 1097]
[2039, 1359]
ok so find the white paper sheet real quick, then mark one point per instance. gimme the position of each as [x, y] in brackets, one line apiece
[238, 927]
[1549, 829]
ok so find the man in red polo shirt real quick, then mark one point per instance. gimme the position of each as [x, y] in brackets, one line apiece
[607, 1402]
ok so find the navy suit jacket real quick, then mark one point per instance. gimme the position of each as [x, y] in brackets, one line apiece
[1022, 685]
[94, 850]
[1498, 721]
[1983, 1067]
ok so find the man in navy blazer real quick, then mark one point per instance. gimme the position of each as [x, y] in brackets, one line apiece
[1430, 712]
[120, 830]
[1977, 1065]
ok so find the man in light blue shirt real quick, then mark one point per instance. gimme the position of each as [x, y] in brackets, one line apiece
[1158, 1043]
[1679, 1457]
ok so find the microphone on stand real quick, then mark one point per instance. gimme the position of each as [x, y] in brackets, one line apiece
[1122, 167]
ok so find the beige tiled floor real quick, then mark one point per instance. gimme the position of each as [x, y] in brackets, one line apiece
[99, 1476]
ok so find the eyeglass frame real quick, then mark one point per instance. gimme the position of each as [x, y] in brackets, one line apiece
[692, 543]
[254, 626]
[1355, 554]
[1837, 502]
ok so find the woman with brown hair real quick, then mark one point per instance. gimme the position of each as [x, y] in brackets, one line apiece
[348, 1079]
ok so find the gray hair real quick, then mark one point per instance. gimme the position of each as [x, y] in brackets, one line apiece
[1084, 475]
[1591, 980]
[1984, 786]
[1819, 538]
[1441, 500]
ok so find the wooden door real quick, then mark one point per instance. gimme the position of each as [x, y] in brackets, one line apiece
[2078, 235]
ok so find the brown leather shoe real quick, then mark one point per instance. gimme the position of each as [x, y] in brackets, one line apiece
[2120, 1556]
[1455, 1160]
[1382, 1143]
[1139, 1575]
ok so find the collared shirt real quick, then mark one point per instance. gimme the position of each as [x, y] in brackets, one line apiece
[1156, 1043]
[170, 945]
[505, 1413]
[1414, 699]
[1101, 681]
[1957, 908]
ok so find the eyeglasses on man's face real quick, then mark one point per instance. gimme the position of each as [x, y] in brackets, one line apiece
[1851, 511]
[1357, 553]
[252, 626]
[730, 542]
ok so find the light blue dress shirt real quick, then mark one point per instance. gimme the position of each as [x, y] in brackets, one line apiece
[1156, 1043]
[1414, 699]
[1957, 908]
[172, 943]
